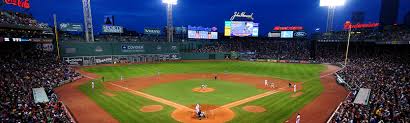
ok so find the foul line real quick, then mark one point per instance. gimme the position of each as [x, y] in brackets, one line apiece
[249, 99]
[164, 101]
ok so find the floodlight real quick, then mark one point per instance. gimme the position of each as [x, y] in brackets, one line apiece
[332, 2]
[171, 2]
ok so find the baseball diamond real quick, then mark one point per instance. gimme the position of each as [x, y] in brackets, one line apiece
[172, 89]
[205, 61]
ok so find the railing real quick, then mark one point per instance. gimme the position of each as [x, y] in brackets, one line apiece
[68, 112]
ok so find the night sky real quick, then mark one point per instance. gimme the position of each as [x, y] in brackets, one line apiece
[137, 14]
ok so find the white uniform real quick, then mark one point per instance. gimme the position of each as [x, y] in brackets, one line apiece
[92, 84]
[294, 88]
[122, 78]
[298, 118]
[197, 108]
[266, 82]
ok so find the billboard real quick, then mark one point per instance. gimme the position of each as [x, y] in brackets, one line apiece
[200, 32]
[71, 27]
[152, 31]
[300, 34]
[274, 34]
[20, 3]
[112, 29]
[287, 28]
[286, 34]
[241, 28]
[349, 25]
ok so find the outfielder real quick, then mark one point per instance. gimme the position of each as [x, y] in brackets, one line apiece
[92, 84]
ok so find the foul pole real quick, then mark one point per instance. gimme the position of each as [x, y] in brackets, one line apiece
[56, 34]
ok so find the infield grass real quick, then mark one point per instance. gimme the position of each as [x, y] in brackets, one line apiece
[181, 92]
[280, 106]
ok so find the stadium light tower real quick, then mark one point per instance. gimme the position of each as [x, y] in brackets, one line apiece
[170, 28]
[88, 21]
[331, 4]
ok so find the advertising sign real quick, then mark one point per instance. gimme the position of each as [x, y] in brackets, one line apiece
[286, 34]
[274, 34]
[348, 25]
[71, 27]
[103, 60]
[288, 28]
[112, 29]
[241, 15]
[152, 31]
[300, 34]
[241, 28]
[200, 32]
[132, 48]
[74, 61]
[20, 3]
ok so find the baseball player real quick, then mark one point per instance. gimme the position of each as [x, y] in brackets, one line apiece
[266, 82]
[92, 84]
[298, 118]
[198, 110]
[272, 85]
[294, 88]
[122, 78]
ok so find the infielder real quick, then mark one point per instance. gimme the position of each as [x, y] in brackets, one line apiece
[298, 118]
[294, 88]
[266, 82]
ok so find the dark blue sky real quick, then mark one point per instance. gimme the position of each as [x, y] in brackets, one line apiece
[137, 14]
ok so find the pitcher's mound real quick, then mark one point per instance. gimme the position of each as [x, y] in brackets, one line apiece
[254, 109]
[203, 90]
[296, 94]
[151, 108]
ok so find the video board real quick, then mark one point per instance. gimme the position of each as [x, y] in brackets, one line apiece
[241, 28]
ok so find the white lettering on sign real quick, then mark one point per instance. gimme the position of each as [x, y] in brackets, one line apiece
[241, 15]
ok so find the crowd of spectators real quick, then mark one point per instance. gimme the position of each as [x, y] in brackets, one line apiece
[23, 68]
[20, 19]
[262, 49]
[386, 71]
[368, 35]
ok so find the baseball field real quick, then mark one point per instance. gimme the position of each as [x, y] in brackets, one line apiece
[167, 92]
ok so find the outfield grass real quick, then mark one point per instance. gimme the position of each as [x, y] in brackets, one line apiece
[181, 92]
[279, 106]
[125, 106]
